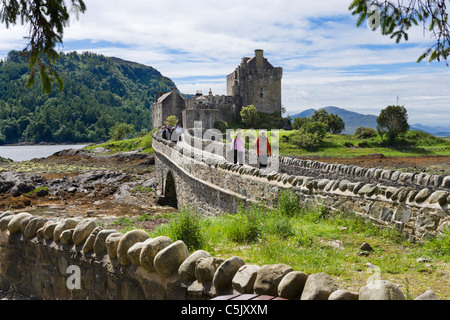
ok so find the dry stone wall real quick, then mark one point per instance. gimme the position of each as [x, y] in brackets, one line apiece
[71, 259]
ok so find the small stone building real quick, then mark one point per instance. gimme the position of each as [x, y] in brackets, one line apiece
[168, 104]
[254, 82]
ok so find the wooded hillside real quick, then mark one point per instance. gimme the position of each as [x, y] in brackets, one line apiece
[98, 93]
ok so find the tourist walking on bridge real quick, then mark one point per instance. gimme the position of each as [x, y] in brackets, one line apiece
[238, 148]
[263, 149]
[165, 133]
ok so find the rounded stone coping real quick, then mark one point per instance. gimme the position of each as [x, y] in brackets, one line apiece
[174, 261]
[419, 180]
[425, 197]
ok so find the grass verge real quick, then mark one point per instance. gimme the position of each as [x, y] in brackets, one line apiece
[414, 143]
[313, 241]
[144, 142]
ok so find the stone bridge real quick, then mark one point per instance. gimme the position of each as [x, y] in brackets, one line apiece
[77, 259]
[198, 174]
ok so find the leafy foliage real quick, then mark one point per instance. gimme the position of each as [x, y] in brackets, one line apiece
[333, 123]
[392, 121]
[221, 125]
[315, 128]
[250, 116]
[288, 203]
[365, 133]
[245, 226]
[171, 121]
[311, 131]
[397, 17]
[98, 93]
[47, 20]
[120, 130]
[307, 141]
[299, 122]
[187, 227]
[330, 122]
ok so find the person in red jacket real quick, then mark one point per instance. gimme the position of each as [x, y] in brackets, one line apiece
[263, 149]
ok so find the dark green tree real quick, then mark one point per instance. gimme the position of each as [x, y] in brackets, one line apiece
[315, 127]
[395, 18]
[120, 130]
[299, 122]
[250, 116]
[392, 121]
[46, 20]
[365, 133]
[171, 121]
[334, 124]
[86, 107]
[221, 125]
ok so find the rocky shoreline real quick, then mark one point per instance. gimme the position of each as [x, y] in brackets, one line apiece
[79, 183]
[82, 183]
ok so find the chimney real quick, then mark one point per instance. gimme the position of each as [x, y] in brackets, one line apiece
[259, 54]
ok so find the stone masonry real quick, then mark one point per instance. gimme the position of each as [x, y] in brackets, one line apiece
[76, 259]
[416, 205]
[254, 82]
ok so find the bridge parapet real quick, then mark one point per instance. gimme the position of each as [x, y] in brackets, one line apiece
[215, 186]
[318, 169]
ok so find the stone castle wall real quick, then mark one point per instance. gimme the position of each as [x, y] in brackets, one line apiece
[212, 109]
[258, 83]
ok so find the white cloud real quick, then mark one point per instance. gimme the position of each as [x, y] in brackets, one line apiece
[326, 59]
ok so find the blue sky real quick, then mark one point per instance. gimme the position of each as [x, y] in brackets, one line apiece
[327, 60]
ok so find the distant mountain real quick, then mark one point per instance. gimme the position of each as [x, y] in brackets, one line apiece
[352, 120]
[98, 92]
[436, 131]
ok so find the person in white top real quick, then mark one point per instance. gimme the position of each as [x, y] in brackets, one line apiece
[179, 131]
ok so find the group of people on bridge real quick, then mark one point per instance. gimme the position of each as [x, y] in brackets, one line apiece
[171, 133]
[262, 145]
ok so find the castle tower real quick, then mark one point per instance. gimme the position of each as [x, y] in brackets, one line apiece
[259, 56]
[257, 82]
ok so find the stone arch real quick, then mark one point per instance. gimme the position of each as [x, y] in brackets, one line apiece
[169, 192]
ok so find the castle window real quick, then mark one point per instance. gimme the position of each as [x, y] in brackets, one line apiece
[261, 92]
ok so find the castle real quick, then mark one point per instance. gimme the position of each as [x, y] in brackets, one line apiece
[254, 82]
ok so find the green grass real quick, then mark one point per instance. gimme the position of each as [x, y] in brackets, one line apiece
[414, 143]
[144, 142]
[37, 190]
[302, 238]
[143, 189]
